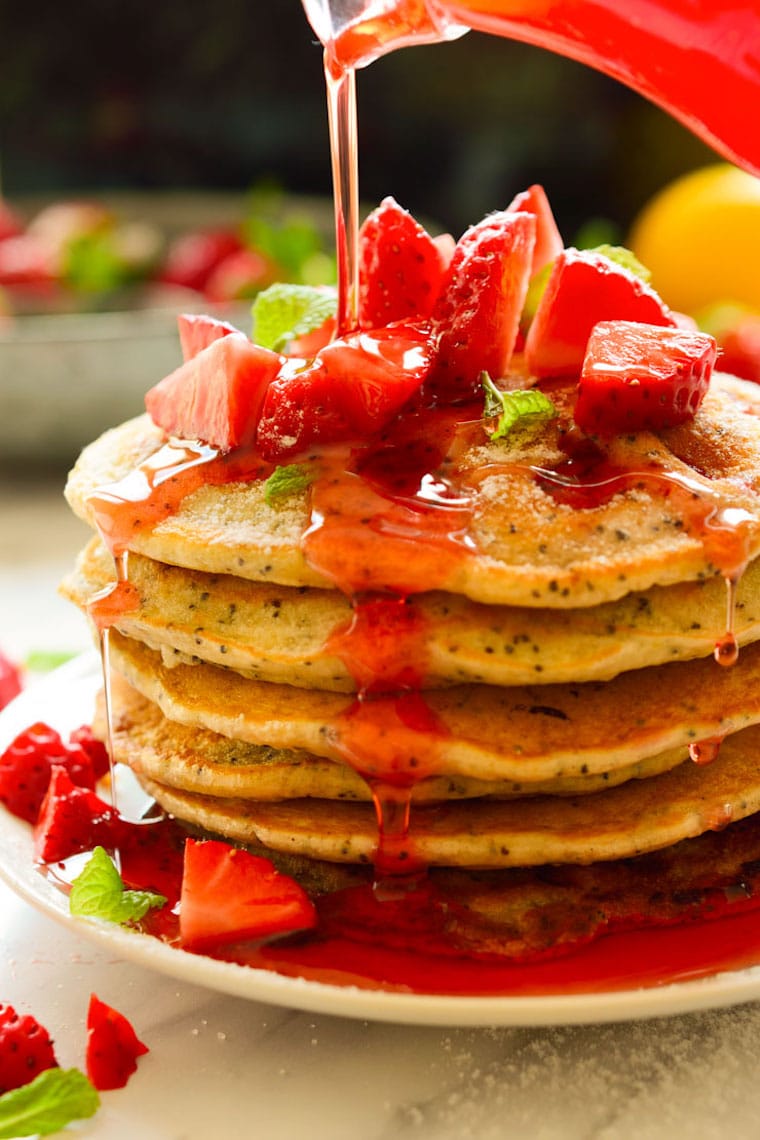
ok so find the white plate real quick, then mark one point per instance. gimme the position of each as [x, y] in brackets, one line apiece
[65, 698]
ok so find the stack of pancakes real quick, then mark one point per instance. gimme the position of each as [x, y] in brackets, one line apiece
[566, 665]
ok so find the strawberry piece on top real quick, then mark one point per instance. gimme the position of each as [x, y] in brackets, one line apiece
[229, 895]
[217, 395]
[401, 267]
[639, 377]
[585, 287]
[197, 332]
[351, 389]
[476, 319]
[549, 244]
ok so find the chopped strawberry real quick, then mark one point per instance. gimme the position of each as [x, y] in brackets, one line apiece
[27, 763]
[240, 275]
[476, 318]
[584, 288]
[72, 819]
[352, 388]
[229, 895]
[549, 244]
[197, 332]
[639, 377]
[192, 258]
[10, 681]
[25, 1049]
[85, 739]
[112, 1046]
[217, 395]
[401, 267]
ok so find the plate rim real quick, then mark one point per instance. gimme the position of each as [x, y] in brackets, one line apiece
[79, 679]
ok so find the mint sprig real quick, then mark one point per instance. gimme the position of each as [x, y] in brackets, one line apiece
[99, 892]
[284, 481]
[525, 410]
[52, 1100]
[283, 312]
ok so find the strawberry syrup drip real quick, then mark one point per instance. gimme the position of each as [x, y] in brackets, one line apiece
[390, 522]
[150, 493]
[156, 489]
[705, 751]
[341, 106]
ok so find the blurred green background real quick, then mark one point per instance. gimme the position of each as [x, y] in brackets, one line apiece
[100, 96]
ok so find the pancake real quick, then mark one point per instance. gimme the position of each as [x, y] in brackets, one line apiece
[520, 734]
[200, 761]
[519, 543]
[637, 817]
[280, 634]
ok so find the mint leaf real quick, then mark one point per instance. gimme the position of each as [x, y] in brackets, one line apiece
[48, 1103]
[525, 409]
[625, 257]
[283, 312]
[99, 892]
[286, 481]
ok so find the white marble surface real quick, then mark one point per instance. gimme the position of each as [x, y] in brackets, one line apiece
[223, 1067]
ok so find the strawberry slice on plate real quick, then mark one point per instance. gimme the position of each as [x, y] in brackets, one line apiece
[639, 377]
[73, 819]
[585, 287]
[229, 895]
[27, 763]
[401, 267]
[25, 1049]
[112, 1046]
[476, 319]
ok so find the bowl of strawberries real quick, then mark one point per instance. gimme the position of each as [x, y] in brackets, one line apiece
[90, 291]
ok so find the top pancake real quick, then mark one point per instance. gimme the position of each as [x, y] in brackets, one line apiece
[522, 546]
[280, 634]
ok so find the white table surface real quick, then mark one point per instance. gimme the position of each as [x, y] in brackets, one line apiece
[222, 1068]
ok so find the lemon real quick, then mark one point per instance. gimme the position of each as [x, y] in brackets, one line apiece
[700, 239]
